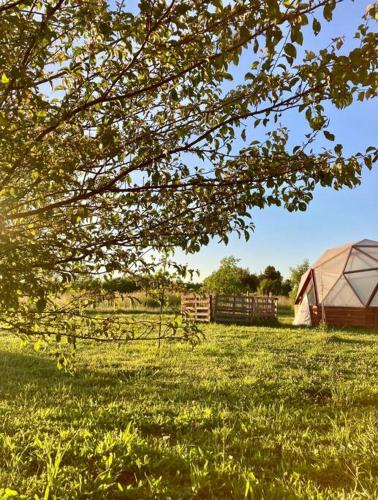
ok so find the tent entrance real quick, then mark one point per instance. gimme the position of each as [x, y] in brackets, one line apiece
[303, 312]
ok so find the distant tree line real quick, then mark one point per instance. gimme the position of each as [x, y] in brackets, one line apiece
[229, 278]
[120, 284]
[124, 284]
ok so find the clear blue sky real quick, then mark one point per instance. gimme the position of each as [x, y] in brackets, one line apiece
[284, 239]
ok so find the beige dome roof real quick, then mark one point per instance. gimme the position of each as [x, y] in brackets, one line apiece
[346, 276]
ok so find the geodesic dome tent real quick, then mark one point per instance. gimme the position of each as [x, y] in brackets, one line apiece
[341, 288]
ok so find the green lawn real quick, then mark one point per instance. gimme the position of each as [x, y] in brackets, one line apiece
[255, 412]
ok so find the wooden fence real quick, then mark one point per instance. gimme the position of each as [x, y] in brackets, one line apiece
[244, 309]
[196, 307]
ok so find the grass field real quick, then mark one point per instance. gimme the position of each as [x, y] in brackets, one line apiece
[253, 412]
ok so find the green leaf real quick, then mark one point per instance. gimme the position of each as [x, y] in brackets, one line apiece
[302, 207]
[296, 36]
[327, 11]
[310, 55]
[316, 26]
[290, 50]
[244, 34]
[37, 345]
[4, 79]
[328, 135]
[368, 162]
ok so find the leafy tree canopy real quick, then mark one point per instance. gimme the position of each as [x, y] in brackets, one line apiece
[296, 274]
[230, 278]
[271, 273]
[271, 282]
[270, 287]
[286, 287]
[117, 133]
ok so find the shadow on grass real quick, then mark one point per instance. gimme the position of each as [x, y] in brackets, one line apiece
[336, 339]
[113, 378]
[38, 376]
[23, 363]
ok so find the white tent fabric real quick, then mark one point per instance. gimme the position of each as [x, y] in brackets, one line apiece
[302, 314]
[345, 276]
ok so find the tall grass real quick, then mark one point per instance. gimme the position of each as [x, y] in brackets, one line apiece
[139, 301]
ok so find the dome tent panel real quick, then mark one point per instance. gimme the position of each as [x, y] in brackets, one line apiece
[310, 293]
[342, 295]
[364, 284]
[372, 252]
[358, 261]
[367, 243]
[325, 281]
[330, 254]
[327, 273]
